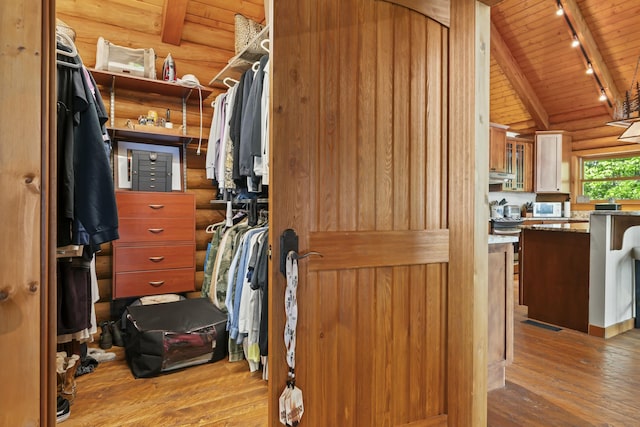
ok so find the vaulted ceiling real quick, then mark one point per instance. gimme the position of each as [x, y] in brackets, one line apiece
[538, 80]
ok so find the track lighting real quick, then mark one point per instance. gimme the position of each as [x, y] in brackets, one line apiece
[575, 42]
[603, 95]
[589, 68]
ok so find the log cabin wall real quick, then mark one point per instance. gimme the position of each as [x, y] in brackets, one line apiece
[205, 46]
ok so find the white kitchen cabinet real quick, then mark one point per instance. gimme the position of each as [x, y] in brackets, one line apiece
[553, 153]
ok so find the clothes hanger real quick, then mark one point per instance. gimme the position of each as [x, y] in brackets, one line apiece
[263, 43]
[229, 79]
[255, 66]
[66, 40]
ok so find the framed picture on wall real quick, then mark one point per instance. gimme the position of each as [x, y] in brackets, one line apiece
[123, 163]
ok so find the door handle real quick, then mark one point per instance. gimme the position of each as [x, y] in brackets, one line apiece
[289, 243]
[156, 258]
[156, 230]
[156, 206]
[157, 284]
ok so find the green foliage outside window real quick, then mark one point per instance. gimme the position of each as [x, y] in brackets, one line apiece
[617, 178]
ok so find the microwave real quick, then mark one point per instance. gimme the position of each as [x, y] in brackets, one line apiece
[547, 209]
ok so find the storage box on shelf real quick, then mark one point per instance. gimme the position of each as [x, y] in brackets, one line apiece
[239, 63]
[156, 250]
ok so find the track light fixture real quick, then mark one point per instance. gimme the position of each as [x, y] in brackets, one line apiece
[603, 95]
[575, 42]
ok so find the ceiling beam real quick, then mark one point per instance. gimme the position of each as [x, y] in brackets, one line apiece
[572, 10]
[518, 80]
[173, 15]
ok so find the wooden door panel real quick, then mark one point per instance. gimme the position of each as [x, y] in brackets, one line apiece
[363, 120]
[358, 249]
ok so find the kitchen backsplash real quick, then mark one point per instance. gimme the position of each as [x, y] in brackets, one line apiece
[512, 197]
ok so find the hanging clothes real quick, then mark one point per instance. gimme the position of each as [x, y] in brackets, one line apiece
[87, 213]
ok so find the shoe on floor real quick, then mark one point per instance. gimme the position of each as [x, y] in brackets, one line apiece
[117, 334]
[100, 355]
[63, 410]
[106, 339]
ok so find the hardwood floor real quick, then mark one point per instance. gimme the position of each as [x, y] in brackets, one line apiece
[214, 394]
[562, 378]
[568, 378]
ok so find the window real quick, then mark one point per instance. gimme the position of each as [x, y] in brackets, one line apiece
[617, 177]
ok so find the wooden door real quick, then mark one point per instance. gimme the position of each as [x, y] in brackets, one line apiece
[365, 171]
[27, 282]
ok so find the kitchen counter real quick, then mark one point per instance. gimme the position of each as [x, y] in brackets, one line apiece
[502, 238]
[575, 227]
[617, 213]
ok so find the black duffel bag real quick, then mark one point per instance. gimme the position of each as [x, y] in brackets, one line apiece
[167, 336]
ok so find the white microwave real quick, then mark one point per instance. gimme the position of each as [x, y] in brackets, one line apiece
[547, 210]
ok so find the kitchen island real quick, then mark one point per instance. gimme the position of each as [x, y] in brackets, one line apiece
[554, 273]
[500, 324]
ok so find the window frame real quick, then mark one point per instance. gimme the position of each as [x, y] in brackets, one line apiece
[578, 158]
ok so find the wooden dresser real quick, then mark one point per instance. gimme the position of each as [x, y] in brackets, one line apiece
[156, 250]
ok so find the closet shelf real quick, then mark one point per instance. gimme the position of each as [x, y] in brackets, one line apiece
[151, 135]
[143, 84]
[239, 63]
[139, 133]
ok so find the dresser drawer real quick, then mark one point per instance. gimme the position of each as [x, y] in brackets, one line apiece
[140, 258]
[156, 230]
[142, 204]
[154, 282]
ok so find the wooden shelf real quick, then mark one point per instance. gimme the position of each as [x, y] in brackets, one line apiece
[151, 135]
[239, 63]
[143, 84]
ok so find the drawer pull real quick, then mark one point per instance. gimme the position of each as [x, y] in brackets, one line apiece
[156, 258]
[156, 230]
[156, 206]
[157, 284]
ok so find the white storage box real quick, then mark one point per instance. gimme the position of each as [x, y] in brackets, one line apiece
[118, 59]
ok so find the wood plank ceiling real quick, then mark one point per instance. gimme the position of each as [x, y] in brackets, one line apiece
[541, 80]
[538, 80]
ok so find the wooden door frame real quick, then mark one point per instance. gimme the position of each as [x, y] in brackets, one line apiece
[28, 301]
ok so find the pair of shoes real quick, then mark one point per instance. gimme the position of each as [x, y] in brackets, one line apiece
[66, 368]
[63, 411]
[106, 339]
[117, 334]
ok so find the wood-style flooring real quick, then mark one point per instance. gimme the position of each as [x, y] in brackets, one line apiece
[558, 378]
